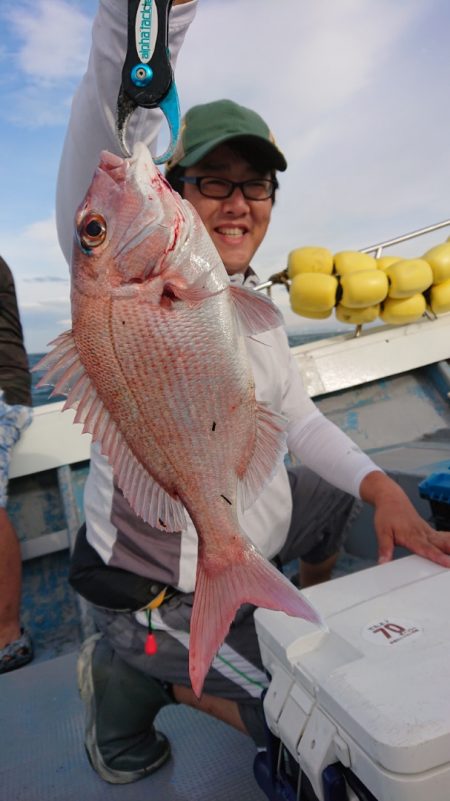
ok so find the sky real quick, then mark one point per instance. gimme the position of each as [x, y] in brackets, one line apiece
[355, 91]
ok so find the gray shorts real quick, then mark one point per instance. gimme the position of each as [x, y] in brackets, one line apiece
[321, 518]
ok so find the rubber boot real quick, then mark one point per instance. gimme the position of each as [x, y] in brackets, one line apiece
[121, 704]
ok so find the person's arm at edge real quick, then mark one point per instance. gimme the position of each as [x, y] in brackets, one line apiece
[91, 127]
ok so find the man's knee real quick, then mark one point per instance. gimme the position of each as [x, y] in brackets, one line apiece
[311, 574]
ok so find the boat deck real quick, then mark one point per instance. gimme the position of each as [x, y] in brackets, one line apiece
[47, 761]
[401, 417]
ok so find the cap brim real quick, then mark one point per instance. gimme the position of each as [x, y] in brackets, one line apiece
[271, 157]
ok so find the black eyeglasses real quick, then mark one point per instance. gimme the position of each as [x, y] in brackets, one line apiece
[221, 188]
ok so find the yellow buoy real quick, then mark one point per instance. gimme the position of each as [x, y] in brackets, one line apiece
[439, 260]
[310, 260]
[383, 262]
[314, 292]
[351, 261]
[365, 288]
[408, 277]
[399, 311]
[357, 316]
[313, 315]
[440, 297]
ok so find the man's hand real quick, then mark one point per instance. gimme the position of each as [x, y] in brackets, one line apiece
[398, 523]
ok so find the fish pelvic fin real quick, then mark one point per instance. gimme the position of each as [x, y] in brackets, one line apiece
[218, 596]
[270, 447]
[65, 371]
[256, 312]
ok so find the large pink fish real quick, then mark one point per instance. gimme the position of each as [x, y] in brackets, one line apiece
[156, 366]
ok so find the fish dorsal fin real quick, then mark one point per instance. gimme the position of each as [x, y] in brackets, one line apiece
[256, 312]
[270, 447]
[65, 371]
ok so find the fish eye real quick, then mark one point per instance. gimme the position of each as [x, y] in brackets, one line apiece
[92, 230]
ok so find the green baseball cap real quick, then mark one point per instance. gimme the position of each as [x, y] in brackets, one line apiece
[206, 126]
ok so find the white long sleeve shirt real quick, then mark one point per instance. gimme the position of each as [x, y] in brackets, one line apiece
[119, 536]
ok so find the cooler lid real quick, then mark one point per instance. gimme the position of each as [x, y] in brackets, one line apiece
[382, 672]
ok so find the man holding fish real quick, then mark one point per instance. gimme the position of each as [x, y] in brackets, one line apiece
[186, 382]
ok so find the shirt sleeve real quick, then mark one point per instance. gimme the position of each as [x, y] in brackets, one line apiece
[92, 121]
[324, 448]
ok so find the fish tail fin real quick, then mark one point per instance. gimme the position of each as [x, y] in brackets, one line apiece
[218, 596]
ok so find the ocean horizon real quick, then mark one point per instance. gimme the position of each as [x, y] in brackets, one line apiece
[42, 395]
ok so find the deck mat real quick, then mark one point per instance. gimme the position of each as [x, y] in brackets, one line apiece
[42, 756]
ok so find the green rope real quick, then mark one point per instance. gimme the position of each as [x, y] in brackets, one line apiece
[240, 672]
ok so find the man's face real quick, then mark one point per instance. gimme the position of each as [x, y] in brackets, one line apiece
[237, 226]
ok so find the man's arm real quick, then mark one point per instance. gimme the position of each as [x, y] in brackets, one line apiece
[323, 447]
[398, 523]
[92, 123]
[319, 444]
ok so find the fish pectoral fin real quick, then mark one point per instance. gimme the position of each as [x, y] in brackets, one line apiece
[218, 596]
[270, 448]
[62, 365]
[147, 498]
[255, 312]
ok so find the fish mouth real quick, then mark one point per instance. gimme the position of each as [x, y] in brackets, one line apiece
[160, 215]
[141, 169]
[120, 170]
[140, 163]
[114, 166]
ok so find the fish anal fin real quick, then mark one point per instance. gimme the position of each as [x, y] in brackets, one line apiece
[256, 312]
[148, 499]
[217, 598]
[270, 448]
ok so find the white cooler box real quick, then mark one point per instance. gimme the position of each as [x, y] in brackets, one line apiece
[372, 693]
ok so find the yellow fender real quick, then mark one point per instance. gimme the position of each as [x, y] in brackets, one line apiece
[398, 290]
[439, 260]
[310, 260]
[357, 316]
[399, 311]
[313, 292]
[313, 315]
[383, 262]
[352, 261]
[440, 297]
[408, 277]
[365, 288]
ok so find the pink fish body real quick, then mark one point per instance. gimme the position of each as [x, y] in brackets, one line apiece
[156, 367]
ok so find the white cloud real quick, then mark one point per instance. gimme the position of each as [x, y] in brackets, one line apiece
[300, 59]
[40, 273]
[355, 91]
[357, 109]
[35, 109]
[48, 44]
[34, 250]
[54, 40]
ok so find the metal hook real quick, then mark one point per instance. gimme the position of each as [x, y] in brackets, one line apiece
[147, 76]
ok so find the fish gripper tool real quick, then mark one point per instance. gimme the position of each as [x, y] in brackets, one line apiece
[147, 75]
